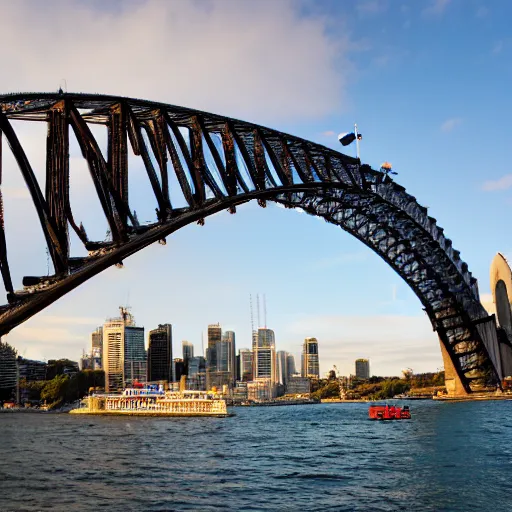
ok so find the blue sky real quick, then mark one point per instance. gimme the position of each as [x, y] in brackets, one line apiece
[428, 83]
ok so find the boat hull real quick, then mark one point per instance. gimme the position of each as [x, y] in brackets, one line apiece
[152, 413]
[388, 413]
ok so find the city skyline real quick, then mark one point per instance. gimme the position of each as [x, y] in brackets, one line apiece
[221, 354]
[345, 295]
[296, 351]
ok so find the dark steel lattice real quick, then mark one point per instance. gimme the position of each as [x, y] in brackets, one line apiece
[220, 163]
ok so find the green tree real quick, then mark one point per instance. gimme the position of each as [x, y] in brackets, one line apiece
[55, 391]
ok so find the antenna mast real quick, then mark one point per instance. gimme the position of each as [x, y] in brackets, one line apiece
[252, 316]
[258, 308]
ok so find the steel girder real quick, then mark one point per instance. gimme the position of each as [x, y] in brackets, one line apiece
[219, 163]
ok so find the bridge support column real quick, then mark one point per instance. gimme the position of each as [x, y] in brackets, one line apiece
[452, 381]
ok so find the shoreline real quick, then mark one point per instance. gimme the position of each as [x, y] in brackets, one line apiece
[472, 398]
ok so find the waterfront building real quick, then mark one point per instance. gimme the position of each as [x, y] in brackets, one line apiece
[260, 390]
[179, 369]
[31, 370]
[240, 392]
[124, 355]
[264, 358]
[228, 338]
[363, 369]
[310, 365]
[8, 367]
[214, 337]
[196, 378]
[245, 364]
[188, 351]
[97, 348]
[135, 357]
[298, 385]
[159, 363]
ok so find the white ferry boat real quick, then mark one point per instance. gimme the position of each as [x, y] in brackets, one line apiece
[152, 401]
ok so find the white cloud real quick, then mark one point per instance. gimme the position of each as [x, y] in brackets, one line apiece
[450, 124]
[503, 183]
[436, 7]
[255, 60]
[46, 336]
[328, 133]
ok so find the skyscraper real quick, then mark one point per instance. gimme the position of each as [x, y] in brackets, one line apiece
[265, 356]
[135, 358]
[124, 355]
[160, 354]
[8, 368]
[282, 367]
[97, 348]
[113, 353]
[196, 378]
[363, 368]
[188, 351]
[228, 337]
[214, 338]
[246, 364]
[290, 363]
[310, 366]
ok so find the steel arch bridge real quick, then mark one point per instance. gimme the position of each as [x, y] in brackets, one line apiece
[220, 163]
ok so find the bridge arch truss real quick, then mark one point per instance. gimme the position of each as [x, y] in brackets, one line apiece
[220, 163]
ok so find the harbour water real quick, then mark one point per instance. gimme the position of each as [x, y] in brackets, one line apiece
[449, 457]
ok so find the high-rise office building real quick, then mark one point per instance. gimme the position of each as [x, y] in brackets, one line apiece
[179, 369]
[290, 363]
[8, 367]
[228, 337]
[135, 357]
[310, 366]
[97, 348]
[113, 354]
[214, 338]
[246, 365]
[220, 358]
[160, 354]
[196, 378]
[124, 355]
[363, 368]
[282, 367]
[264, 357]
[188, 350]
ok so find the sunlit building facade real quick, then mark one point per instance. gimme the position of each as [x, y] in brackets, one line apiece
[310, 364]
[124, 355]
[264, 357]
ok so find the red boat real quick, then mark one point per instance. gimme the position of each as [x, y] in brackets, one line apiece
[389, 412]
